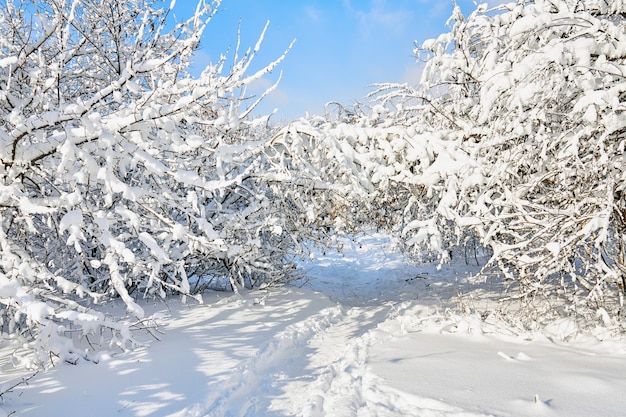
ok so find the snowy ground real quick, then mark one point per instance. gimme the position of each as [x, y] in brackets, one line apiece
[367, 335]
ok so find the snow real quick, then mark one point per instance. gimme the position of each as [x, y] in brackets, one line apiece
[5, 62]
[72, 221]
[367, 333]
[155, 248]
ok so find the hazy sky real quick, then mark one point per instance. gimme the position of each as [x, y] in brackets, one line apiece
[342, 46]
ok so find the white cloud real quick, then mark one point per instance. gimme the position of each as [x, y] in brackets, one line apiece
[494, 3]
[381, 15]
[312, 13]
[413, 74]
[276, 98]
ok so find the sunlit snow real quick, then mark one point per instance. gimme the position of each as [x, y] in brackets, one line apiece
[367, 334]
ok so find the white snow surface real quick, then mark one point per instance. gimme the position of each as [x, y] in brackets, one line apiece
[368, 334]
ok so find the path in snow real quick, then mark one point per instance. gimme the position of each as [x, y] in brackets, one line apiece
[367, 335]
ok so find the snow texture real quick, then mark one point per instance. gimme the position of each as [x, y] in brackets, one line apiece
[367, 335]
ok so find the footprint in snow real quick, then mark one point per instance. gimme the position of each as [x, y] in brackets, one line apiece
[521, 357]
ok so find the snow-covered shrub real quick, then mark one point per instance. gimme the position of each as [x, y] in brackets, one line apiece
[529, 101]
[383, 167]
[319, 171]
[122, 175]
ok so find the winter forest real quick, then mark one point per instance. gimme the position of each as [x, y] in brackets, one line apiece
[126, 178]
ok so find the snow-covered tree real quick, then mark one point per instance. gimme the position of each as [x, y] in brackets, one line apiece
[123, 175]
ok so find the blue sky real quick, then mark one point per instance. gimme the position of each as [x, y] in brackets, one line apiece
[342, 46]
